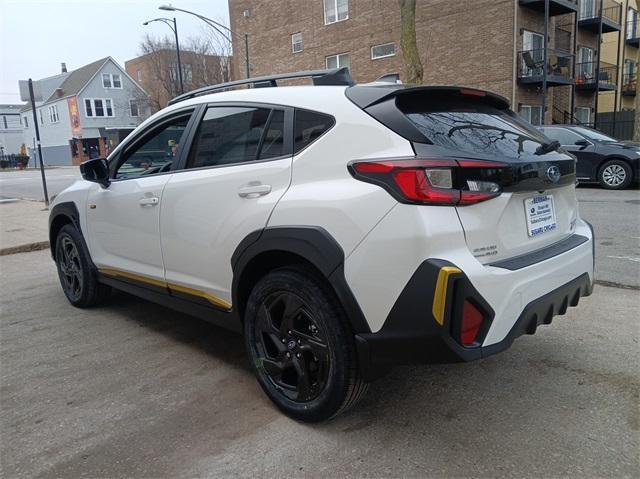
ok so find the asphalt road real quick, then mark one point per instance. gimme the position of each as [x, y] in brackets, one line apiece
[131, 389]
[27, 184]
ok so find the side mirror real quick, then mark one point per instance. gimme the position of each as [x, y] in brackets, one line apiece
[582, 143]
[96, 170]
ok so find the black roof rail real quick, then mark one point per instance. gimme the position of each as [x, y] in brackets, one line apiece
[336, 76]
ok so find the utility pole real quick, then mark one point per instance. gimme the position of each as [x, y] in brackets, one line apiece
[35, 125]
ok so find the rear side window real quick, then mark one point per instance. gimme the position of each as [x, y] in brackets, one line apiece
[309, 126]
[229, 135]
[472, 127]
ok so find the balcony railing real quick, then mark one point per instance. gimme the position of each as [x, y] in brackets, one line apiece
[559, 67]
[629, 84]
[589, 15]
[586, 76]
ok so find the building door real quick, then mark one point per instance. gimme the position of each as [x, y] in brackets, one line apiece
[532, 43]
[587, 9]
[632, 23]
[585, 64]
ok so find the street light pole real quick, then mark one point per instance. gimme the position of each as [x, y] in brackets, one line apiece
[216, 26]
[174, 28]
[175, 31]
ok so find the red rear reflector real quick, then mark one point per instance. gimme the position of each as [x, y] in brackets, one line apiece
[472, 320]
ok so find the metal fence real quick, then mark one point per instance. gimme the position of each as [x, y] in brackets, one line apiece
[619, 125]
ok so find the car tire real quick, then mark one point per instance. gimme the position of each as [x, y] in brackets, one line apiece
[301, 347]
[75, 270]
[615, 175]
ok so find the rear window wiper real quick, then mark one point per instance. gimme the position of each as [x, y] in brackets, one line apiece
[547, 147]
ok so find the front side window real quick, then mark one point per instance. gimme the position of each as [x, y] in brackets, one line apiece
[156, 153]
[335, 11]
[230, 135]
[309, 126]
[338, 61]
[296, 42]
[562, 135]
[383, 51]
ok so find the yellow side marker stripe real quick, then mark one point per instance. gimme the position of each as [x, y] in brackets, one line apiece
[219, 303]
[440, 294]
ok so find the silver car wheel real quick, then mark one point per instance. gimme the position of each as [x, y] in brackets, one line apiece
[614, 175]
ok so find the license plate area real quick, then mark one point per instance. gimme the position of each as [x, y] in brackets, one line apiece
[540, 214]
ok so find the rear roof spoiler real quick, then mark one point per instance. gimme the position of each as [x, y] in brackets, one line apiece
[367, 95]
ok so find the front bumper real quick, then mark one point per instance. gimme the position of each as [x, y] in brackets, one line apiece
[411, 335]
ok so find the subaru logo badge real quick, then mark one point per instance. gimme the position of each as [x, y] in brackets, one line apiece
[553, 173]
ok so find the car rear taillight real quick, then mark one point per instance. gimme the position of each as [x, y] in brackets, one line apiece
[434, 181]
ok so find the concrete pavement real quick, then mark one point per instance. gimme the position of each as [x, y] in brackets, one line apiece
[23, 226]
[131, 389]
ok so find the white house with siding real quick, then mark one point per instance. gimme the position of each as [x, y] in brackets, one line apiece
[85, 112]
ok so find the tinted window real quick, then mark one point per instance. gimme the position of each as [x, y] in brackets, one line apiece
[155, 154]
[472, 127]
[593, 134]
[230, 135]
[565, 137]
[309, 126]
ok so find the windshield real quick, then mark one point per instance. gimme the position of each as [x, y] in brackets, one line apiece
[593, 134]
[474, 127]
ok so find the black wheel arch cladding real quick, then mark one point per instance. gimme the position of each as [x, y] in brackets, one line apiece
[313, 244]
[61, 214]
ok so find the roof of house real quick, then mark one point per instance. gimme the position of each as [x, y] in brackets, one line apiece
[77, 79]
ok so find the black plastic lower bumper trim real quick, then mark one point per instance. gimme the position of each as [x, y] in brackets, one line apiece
[410, 334]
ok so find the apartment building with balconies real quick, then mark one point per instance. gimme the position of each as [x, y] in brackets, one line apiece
[497, 45]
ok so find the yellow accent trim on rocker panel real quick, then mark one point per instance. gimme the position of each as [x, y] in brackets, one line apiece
[440, 293]
[219, 303]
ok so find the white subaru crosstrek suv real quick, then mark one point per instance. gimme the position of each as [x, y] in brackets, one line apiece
[342, 228]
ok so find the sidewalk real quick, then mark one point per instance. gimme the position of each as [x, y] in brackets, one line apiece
[23, 226]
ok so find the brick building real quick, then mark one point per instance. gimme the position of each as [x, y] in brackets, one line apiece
[496, 45]
[157, 73]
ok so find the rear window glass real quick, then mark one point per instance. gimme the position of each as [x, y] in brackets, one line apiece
[473, 127]
[309, 126]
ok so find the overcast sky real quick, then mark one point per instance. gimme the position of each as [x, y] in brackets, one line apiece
[37, 35]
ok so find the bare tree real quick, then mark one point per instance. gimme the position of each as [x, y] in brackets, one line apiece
[413, 66]
[205, 61]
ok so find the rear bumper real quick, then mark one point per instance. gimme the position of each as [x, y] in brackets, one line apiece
[410, 334]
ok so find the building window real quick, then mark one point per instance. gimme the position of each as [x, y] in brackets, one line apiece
[296, 42]
[584, 66]
[26, 122]
[383, 51]
[531, 113]
[335, 11]
[98, 107]
[41, 118]
[583, 115]
[338, 61]
[111, 80]
[587, 9]
[133, 108]
[632, 23]
[53, 114]
[139, 75]
[4, 122]
[187, 72]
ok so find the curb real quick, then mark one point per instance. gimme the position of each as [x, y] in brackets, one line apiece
[25, 248]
